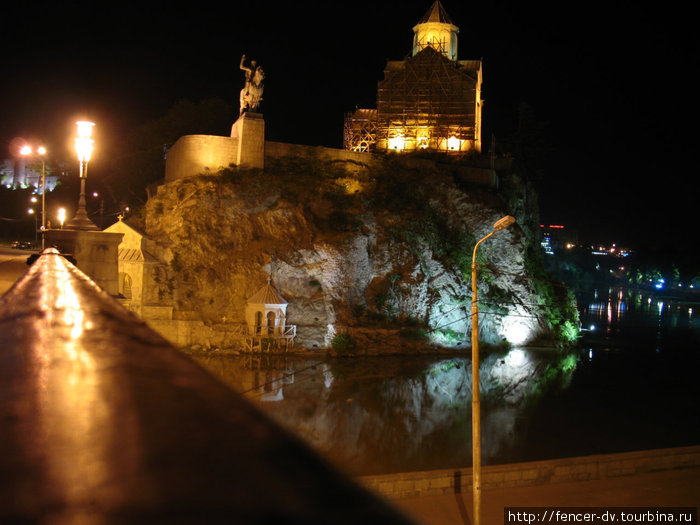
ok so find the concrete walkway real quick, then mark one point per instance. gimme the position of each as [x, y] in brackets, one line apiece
[668, 488]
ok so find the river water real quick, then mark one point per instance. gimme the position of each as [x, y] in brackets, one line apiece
[631, 385]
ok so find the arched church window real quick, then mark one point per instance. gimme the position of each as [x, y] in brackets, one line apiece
[258, 322]
[270, 322]
[125, 285]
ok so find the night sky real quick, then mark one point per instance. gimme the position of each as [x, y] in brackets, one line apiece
[611, 81]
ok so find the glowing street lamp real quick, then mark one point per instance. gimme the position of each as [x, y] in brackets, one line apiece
[84, 146]
[30, 211]
[61, 216]
[500, 224]
[41, 151]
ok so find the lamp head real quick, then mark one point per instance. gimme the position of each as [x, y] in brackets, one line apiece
[83, 142]
[85, 128]
[503, 223]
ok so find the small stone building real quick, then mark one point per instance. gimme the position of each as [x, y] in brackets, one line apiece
[266, 321]
[139, 272]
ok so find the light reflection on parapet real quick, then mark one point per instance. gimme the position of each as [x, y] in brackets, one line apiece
[72, 409]
[105, 422]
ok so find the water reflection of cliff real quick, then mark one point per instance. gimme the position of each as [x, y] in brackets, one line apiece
[387, 414]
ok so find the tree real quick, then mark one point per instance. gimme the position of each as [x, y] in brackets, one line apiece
[139, 160]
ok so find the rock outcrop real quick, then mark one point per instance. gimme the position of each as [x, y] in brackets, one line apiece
[382, 254]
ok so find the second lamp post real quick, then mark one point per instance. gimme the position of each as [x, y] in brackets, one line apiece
[500, 224]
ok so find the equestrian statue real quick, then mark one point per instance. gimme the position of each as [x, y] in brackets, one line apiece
[251, 94]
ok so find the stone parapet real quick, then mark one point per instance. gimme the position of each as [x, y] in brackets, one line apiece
[586, 468]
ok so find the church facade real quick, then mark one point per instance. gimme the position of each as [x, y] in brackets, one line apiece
[430, 101]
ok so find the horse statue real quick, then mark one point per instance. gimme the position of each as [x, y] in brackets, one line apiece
[251, 94]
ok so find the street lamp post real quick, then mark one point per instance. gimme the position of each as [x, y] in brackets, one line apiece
[84, 146]
[41, 151]
[31, 211]
[476, 403]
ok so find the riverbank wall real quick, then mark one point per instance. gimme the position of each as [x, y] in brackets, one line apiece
[585, 468]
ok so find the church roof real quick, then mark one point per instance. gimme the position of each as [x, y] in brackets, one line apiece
[267, 295]
[133, 255]
[436, 13]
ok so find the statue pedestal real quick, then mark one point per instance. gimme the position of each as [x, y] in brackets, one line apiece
[249, 129]
[96, 253]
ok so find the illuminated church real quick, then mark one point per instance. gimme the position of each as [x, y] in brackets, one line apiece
[431, 100]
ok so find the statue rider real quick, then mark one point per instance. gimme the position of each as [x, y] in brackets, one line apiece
[251, 94]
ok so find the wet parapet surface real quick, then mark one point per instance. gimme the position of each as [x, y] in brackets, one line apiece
[102, 421]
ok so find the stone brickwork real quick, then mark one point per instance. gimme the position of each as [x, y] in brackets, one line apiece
[198, 154]
[249, 130]
[95, 253]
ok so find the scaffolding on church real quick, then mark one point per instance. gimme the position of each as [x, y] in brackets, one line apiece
[429, 102]
[360, 130]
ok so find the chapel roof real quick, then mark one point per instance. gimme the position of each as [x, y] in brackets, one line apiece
[133, 255]
[267, 295]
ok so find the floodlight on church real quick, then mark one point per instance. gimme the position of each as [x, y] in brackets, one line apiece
[397, 143]
[454, 144]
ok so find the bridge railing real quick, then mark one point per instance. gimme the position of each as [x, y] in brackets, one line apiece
[103, 421]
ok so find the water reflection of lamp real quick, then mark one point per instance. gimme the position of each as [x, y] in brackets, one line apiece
[476, 404]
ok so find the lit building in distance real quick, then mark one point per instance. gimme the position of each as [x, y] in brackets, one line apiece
[430, 101]
[19, 174]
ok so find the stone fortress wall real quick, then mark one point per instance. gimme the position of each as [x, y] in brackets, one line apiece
[195, 155]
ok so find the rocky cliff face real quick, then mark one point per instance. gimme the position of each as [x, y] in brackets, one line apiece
[381, 254]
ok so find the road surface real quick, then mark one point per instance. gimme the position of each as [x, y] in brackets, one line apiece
[13, 264]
